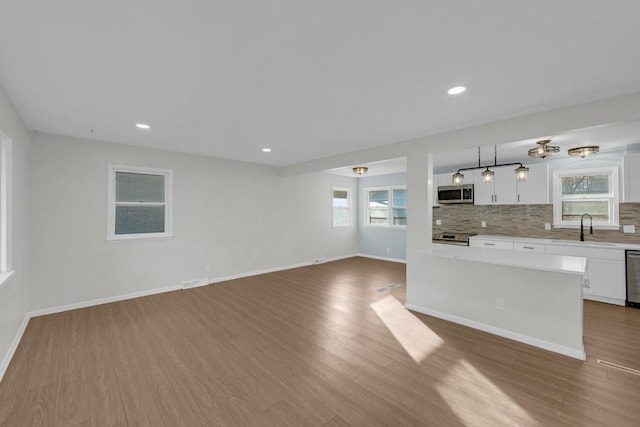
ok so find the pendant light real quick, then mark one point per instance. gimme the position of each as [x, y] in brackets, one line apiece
[457, 179]
[522, 172]
[487, 175]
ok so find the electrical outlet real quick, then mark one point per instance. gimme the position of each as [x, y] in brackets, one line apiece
[628, 229]
[484, 224]
[547, 226]
[501, 303]
[317, 261]
[438, 222]
[388, 250]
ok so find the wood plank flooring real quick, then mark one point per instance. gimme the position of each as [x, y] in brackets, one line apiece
[310, 346]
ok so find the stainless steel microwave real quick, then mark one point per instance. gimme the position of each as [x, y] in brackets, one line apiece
[451, 194]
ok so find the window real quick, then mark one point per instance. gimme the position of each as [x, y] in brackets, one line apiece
[387, 206]
[139, 202]
[341, 207]
[594, 192]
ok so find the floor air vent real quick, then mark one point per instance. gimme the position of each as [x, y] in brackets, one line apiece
[619, 367]
[388, 288]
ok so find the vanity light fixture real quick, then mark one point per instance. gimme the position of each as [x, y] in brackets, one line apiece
[143, 126]
[543, 149]
[584, 151]
[360, 170]
[522, 172]
[266, 150]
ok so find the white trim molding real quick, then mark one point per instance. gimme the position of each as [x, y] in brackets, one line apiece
[382, 258]
[579, 354]
[100, 301]
[14, 346]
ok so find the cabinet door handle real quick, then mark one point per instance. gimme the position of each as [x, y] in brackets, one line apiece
[528, 247]
[518, 198]
[489, 244]
[496, 198]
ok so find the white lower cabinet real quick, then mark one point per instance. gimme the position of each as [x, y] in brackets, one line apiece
[604, 278]
[529, 247]
[491, 244]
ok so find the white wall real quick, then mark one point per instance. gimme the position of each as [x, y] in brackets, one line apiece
[236, 217]
[14, 297]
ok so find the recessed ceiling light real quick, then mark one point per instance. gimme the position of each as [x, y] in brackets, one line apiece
[266, 150]
[143, 126]
[456, 90]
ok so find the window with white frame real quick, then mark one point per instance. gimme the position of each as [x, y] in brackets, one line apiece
[341, 207]
[386, 206]
[139, 202]
[579, 192]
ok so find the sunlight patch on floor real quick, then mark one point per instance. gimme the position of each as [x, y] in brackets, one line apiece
[415, 337]
[478, 401]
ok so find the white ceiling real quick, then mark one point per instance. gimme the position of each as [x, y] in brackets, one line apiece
[309, 79]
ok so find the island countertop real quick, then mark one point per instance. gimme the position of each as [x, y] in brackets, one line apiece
[534, 261]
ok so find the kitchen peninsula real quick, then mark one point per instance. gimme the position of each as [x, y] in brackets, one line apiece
[534, 298]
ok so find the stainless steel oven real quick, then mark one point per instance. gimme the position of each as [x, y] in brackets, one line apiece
[451, 194]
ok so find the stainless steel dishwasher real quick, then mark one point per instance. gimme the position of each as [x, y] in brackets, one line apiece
[633, 278]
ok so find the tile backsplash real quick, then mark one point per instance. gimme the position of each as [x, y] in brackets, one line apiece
[527, 221]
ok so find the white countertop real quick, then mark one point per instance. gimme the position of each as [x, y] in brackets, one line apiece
[533, 261]
[602, 245]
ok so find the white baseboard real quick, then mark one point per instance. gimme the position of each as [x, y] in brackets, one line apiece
[99, 301]
[258, 272]
[14, 346]
[556, 348]
[604, 299]
[382, 258]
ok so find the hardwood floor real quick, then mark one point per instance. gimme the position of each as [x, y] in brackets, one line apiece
[311, 346]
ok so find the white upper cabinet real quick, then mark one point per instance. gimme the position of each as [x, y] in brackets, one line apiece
[535, 190]
[632, 178]
[506, 190]
[502, 191]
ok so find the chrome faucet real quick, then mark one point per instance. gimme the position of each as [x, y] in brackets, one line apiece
[582, 226]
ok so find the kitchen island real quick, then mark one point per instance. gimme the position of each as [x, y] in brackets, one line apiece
[534, 298]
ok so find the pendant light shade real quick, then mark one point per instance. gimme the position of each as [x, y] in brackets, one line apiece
[584, 151]
[457, 179]
[487, 175]
[522, 173]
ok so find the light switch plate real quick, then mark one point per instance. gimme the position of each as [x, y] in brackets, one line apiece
[547, 226]
[438, 222]
[628, 229]
[484, 223]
